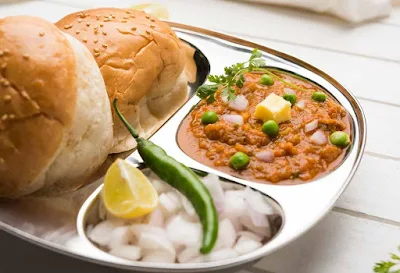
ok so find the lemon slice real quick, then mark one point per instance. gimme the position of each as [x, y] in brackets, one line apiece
[127, 192]
[157, 10]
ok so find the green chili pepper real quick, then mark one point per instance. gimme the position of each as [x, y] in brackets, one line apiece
[181, 178]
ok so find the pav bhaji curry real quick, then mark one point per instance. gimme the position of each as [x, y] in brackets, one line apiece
[266, 125]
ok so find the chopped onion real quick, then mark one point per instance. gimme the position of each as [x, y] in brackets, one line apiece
[101, 233]
[159, 257]
[224, 99]
[261, 231]
[120, 236]
[213, 184]
[188, 207]
[188, 254]
[240, 103]
[250, 235]
[234, 205]
[138, 229]
[319, 138]
[311, 126]
[245, 245]
[129, 252]
[183, 232]
[289, 91]
[301, 104]
[156, 218]
[226, 235]
[266, 156]
[258, 219]
[221, 254]
[170, 202]
[151, 241]
[235, 119]
[257, 202]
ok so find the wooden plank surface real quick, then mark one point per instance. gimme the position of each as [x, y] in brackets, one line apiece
[365, 224]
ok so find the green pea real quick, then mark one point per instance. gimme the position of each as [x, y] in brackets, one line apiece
[290, 98]
[271, 128]
[318, 96]
[340, 139]
[266, 80]
[209, 117]
[239, 161]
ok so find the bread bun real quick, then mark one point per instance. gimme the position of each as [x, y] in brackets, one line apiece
[142, 63]
[55, 118]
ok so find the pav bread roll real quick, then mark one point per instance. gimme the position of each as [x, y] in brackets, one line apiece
[55, 117]
[142, 62]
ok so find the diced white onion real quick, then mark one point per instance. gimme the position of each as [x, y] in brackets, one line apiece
[261, 231]
[301, 104]
[182, 232]
[289, 91]
[188, 207]
[258, 219]
[226, 235]
[250, 235]
[245, 245]
[128, 252]
[319, 138]
[221, 254]
[257, 201]
[156, 218]
[213, 184]
[235, 119]
[120, 236]
[266, 156]
[170, 201]
[234, 204]
[311, 126]
[159, 257]
[240, 103]
[138, 229]
[151, 241]
[101, 233]
[188, 254]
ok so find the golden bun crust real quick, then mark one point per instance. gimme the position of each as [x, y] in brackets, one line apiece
[36, 104]
[140, 58]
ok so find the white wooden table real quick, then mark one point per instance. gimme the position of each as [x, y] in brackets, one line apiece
[365, 224]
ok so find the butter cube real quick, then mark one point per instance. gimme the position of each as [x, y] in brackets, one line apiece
[273, 107]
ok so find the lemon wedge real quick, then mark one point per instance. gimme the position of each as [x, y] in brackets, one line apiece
[157, 10]
[127, 192]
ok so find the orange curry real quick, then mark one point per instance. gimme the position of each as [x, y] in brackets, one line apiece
[294, 156]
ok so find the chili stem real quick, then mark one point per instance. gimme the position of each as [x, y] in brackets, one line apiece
[131, 130]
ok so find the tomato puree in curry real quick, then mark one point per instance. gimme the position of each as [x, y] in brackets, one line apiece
[296, 158]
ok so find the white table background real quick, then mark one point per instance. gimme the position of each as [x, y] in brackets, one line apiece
[365, 224]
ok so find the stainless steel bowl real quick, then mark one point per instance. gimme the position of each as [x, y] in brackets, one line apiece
[301, 205]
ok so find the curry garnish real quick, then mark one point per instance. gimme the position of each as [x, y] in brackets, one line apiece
[234, 77]
[386, 266]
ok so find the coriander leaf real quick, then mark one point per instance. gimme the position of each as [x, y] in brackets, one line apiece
[225, 92]
[383, 267]
[258, 62]
[395, 257]
[215, 78]
[240, 81]
[255, 54]
[206, 90]
[231, 95]
[211, 99]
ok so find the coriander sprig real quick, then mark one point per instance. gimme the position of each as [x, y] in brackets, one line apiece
[386, 266]
[234, 76]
